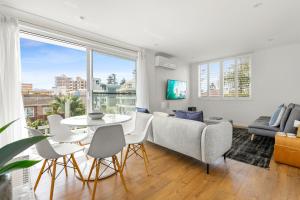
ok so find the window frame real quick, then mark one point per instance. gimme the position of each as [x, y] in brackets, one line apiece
[101, 45]
[221, 61]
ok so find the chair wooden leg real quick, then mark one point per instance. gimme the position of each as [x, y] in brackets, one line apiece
[145, 162]
[120, 171]
[53, 179]
[126, 156]
[92, 168]
[40, 175]
[114, 163]
[65, 165]
[144, 149]
[77, 168]
[96, 179]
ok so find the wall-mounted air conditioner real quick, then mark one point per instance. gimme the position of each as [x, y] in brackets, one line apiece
[161, 61]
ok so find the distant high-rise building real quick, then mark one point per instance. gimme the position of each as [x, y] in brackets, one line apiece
[65, 84]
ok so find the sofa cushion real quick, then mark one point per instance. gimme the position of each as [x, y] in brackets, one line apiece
[285, 116]
[197, 116]
[181, 114]
[276, 116]
[295, 115]
[263, 123]
[142, 110]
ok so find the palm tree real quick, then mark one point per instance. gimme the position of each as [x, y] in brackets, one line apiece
[76, 105]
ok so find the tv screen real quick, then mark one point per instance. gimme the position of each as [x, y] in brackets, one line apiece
[176, 90]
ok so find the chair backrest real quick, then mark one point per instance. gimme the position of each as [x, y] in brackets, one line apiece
[107, 141]
[43, 147]
[58, 130]
[142, 125]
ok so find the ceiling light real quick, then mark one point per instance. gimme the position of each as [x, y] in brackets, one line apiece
[256, 5]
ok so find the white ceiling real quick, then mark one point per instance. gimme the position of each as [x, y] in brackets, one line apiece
[191, 29]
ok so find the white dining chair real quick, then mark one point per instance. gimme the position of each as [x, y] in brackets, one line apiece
[107, 142]
[135, 140]
[61, 133]
[51, 154]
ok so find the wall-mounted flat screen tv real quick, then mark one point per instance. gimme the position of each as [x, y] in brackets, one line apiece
[176, 90]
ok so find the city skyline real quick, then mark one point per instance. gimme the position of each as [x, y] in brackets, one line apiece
[41, 62]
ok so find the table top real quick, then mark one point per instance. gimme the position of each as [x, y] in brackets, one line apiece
[84, 120]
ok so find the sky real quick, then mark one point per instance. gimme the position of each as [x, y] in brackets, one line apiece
[41, 62]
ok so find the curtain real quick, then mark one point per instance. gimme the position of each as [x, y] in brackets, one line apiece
[11, 103]
[142, 86]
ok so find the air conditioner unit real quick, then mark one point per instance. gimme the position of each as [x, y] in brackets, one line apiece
[161, 61]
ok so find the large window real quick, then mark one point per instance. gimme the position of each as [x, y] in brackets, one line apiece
[114, 83]
[53, 74]
[230, 78]
[54, 79]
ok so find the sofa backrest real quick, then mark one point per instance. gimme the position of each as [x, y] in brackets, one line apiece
[181, 135]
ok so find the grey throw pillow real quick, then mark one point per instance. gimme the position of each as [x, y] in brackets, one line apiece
[295, 115]
[285, 116]
[277, 114]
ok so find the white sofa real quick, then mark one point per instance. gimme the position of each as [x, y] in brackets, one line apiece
[195, 139]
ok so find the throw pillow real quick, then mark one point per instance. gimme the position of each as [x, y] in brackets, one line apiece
[285, 116]
[295, 115]
[197, 116]
[142, 110]
[275, 115]
[181, 114]
[278, 120]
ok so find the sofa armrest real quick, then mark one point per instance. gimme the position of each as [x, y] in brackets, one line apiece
[216, 140]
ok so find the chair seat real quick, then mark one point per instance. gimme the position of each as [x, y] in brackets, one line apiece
[72, 138]
[133, 138]
[66, 149]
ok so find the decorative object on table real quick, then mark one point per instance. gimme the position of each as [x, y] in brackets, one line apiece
[96, 115]
[257, 152]
[7, 153]
[287, 150]
[192, 108]
[297, 125]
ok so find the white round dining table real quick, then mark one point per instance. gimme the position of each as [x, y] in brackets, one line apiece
[85, 121]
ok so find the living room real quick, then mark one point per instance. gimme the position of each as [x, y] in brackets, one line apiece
[149, 99]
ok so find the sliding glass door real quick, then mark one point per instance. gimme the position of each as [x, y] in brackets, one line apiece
[114, 83]
[58, 78]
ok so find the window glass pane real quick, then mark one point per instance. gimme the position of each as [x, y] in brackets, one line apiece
[214, 79]
[229, 78]
[203, 69]
[243, 76]
[114, 84]
[53, 73]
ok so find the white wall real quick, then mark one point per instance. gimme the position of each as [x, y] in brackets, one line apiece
[158, 77]
[275, 80]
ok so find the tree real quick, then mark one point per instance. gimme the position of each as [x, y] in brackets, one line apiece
[76, 105]
[112, 79]
[123, 81]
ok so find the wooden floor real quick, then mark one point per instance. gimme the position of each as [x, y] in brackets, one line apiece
[174, 176]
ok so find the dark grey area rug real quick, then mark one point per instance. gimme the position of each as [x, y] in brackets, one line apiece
[257, 152]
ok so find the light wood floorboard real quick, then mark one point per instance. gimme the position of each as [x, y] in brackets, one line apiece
[174, 176]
